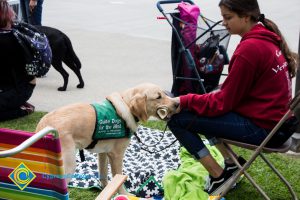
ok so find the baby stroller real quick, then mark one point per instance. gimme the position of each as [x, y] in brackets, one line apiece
[198, 48]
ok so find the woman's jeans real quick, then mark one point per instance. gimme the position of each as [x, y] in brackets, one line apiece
[186, 126]
[34, 17]
[11, 100]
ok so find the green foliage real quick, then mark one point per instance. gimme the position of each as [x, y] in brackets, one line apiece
[79, 194]
[287, 165]
[155, 124]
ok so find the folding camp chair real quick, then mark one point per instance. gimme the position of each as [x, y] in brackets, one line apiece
[259, 151]
[31, 165]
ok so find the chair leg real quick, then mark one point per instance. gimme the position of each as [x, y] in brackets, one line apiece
[238, 174]
[246, 166]
[281, 177]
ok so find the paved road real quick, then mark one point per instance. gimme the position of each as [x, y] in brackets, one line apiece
[121, 43]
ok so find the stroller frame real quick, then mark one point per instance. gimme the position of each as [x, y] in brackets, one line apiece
[184, 51]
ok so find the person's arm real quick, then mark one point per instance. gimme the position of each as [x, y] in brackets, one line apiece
[233, 90]
[33, 81]
[32, 4]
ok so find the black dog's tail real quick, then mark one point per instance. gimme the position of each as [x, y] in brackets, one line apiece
[71, 55]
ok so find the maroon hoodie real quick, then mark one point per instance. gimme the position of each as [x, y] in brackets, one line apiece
[258, 86]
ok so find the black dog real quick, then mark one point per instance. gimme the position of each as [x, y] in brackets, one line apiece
[62, 51]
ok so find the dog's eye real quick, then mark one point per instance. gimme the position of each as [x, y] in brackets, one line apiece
[159, 96]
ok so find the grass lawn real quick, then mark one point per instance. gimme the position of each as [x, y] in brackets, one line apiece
[289, 166]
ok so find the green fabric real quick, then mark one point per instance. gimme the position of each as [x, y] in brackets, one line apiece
[109, 124]
[187, 182]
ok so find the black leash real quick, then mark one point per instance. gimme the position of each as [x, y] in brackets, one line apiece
[81, 153]
[140, 141]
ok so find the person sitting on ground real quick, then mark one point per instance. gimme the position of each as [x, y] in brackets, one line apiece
[250, 102]
[16, 87]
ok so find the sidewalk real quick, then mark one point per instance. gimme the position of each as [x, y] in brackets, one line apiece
[112, 57]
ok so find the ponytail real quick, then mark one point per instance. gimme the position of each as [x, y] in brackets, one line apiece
[291, 58]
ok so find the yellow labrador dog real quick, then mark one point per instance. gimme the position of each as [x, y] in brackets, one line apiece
[76, 125]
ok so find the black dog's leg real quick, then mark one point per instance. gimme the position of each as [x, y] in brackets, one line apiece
[59, 67]
[72, 61]
[76, 70]
[81, 83]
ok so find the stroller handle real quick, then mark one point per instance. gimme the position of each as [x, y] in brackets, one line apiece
[158, 5]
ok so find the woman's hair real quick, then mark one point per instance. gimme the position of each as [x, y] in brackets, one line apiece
[251, 8]
[7, 14]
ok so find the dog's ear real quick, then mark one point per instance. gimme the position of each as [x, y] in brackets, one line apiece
[138, 107]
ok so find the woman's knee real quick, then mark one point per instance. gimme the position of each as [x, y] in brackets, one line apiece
[180, 119]
[171, 123]
[175, 124]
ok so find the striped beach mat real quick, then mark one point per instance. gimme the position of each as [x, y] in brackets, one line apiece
[36, 172]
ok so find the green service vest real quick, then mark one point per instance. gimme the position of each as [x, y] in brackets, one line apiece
[108, 125]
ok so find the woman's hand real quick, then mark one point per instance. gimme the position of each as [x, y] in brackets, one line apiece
[32, 4]
[33, 81]
[177, 100]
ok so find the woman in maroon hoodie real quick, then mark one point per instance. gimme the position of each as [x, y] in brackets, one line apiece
[252, 99]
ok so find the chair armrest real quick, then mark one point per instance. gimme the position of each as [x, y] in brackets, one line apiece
[27, 143]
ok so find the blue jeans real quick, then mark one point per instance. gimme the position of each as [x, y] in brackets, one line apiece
[11, 100]
[34, 17]
[186, 126]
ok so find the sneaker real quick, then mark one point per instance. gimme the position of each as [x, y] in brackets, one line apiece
[215, 186]
[28, 108]
[232, 168]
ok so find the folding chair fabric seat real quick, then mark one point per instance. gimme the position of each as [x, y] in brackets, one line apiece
[42, 158]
